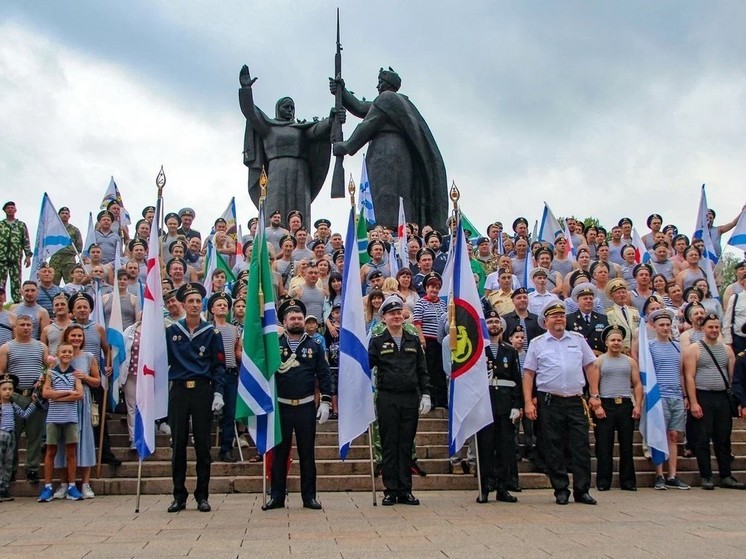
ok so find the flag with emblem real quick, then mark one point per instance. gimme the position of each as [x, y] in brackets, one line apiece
[256, 405]
[654, 424]
[356, 409]
[112, 194]
[151, 396]
[469, 408]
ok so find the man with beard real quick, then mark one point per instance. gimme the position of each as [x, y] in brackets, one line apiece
[303, 365]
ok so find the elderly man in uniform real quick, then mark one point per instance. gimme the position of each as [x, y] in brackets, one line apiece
[196, 360]
[496, 441]
[556, 362]
[621, 313]
[402, 381]
[303, 364]
[585, 321]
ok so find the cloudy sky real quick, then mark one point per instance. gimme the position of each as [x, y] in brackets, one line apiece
[598, 108]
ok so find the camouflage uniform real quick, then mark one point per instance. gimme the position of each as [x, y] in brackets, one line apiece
[65, 260]
[14, 243]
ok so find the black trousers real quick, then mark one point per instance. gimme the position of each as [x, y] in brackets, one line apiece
[564, 424]
[496, 450]
[398, 413]
[438, 385]
[302, 420]
[716, 424]
[195, 404]
[618, 420]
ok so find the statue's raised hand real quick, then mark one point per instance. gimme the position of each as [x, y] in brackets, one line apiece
[244, 77]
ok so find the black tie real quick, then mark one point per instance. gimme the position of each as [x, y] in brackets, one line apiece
[587, 319]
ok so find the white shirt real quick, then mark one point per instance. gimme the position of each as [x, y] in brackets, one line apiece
[537, 301]
[558, 363]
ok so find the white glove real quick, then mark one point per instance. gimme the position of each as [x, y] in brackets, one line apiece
[217, 402]
[515, 413]
[323, 413]
[425, 404]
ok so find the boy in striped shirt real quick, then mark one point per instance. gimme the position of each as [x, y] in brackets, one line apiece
[63, 389]
[9, 411]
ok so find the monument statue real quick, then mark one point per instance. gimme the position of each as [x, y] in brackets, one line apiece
[295, 154]
[402, 159]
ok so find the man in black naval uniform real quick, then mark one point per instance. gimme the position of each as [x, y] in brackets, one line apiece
[496, 441]
[521, 316]
[585, 321]
[196, 360]
[303, 363]
[402, 382]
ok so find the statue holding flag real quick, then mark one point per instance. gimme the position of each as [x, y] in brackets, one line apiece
[295, 153]
[403, 159]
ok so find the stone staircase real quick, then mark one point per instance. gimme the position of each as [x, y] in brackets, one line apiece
[333, 474]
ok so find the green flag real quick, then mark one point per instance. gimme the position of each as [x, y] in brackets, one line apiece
[256, 404]
[362, 239]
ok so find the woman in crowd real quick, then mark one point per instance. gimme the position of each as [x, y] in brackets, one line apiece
[710, 304]
[333, 296]
[409, 295]
[621, 400]
[87, 370]
[373, 303]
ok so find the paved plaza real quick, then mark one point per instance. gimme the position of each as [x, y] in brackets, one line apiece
[448, 524]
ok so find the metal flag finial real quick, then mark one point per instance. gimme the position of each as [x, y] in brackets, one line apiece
[160, 181]
[351, 189]
[263, 180]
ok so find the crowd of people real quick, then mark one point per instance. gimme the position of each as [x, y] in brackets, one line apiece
[564, 353]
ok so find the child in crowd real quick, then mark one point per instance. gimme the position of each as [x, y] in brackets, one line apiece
[516, 338]
[10, 410]
[312, 331]
[331, 337]
[63, 390]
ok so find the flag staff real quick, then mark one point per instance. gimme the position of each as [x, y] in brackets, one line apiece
[263, 180]
[160, 182]
[454, 195]
[351, 190]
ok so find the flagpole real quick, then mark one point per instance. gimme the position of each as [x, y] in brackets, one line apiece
[452, 329]
[139, 479]
[351, 190]
[101, 422]
[372, 466]
[263, 180]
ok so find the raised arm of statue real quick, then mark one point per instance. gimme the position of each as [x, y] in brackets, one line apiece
[349, 101]
[246, 100]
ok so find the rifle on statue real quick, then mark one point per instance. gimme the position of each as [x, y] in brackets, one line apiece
[338, 177]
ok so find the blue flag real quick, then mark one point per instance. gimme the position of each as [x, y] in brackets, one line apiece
[356, 409]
